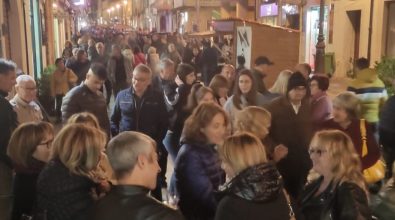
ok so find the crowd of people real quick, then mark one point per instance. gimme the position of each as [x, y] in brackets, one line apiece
[240, 149]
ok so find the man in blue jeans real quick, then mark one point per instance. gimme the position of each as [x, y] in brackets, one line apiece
[8, 123]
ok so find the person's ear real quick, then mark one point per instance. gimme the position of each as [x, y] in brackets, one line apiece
[141, 161]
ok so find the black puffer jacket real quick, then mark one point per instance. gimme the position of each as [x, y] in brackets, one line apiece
[255, 193]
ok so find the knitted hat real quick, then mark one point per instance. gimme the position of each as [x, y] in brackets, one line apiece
[296, 80]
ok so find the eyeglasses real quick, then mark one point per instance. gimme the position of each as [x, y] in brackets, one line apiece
[47, 144]
[317, 151]
[30, 89]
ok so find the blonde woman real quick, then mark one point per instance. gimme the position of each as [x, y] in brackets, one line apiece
[279, 87]
[340, 191]
[257, 120]
[255, 187]
[29, 149]
[64, 186]
[89, 119]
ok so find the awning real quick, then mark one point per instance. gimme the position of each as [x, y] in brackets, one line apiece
[202, 34]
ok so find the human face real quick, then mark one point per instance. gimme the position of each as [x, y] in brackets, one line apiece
[43, 150]
[215, 130]
[190, 78]
[168, 72]
[140, 81]
[297, 94]
[27, 91]
[208, 97]
[229, 73]
[223, 92]
[100, 49]
[320, 157]
[339, 115]
[152, 169]
[7, 81]
[245, 84]
[60, 65]
[264, 68]
[195, 51]
[93, 82]
[314, 87]
[301, 68]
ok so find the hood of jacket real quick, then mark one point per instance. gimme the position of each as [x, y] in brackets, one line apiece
[367, 75]
[260, 183]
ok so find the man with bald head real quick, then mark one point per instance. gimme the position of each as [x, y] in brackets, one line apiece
[24, 104]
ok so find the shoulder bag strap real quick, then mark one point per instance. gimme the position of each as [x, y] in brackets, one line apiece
[291, 211]
[363, 136]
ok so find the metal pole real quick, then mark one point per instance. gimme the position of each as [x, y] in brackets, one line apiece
[320, 47]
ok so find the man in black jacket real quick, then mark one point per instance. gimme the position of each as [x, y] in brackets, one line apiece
[259, 72]
[8, 121]
[88, 98]
[133, 158]
[141, 108]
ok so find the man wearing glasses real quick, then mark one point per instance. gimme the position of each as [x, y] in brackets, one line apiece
[24, 104]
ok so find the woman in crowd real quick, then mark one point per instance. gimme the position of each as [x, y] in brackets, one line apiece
[346, 118]
[29, 149]
[104, 168]
[279, 87]
[153, 60]
[339, 192]
[67, 51]
[220, 86]
[257, 120]
[197, 169]
[186, 77]
[244, 95]
[139, 57]
[321, 105]
[255, 189]
[67, 186]
[173, 54]
[199, 93]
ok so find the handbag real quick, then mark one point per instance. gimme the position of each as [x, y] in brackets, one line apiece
[376, 172]
[291, 211]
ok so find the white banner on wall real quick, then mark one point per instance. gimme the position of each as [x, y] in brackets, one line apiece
[244, 40]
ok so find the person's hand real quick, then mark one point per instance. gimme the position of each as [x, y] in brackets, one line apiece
[280, 151]
[222, 101]
[179, 82]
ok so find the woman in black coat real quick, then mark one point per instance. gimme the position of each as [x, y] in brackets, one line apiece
[68, 185]
[29, 150]
[255, 188]
[197, 170]
[339, 192]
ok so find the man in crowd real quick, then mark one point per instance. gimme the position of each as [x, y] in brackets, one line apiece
[119, 69]
[304, 69]
[8, 122]
[292, 126]
[260, 71]
[369, 89]
[87, 97]
[164, 82]
[141, 108]
[134, 160]
[62, 79]
[24, 104]
[81, 66]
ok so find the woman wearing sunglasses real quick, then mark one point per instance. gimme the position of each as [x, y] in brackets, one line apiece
[339, 192]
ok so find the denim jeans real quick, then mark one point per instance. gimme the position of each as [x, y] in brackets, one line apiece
[172, 144]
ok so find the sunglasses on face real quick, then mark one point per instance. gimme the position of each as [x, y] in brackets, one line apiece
[317, 151]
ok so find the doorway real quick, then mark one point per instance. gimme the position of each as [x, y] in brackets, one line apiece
[355, 20]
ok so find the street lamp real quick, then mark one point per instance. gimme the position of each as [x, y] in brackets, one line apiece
[320, 47]
[118, 6]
